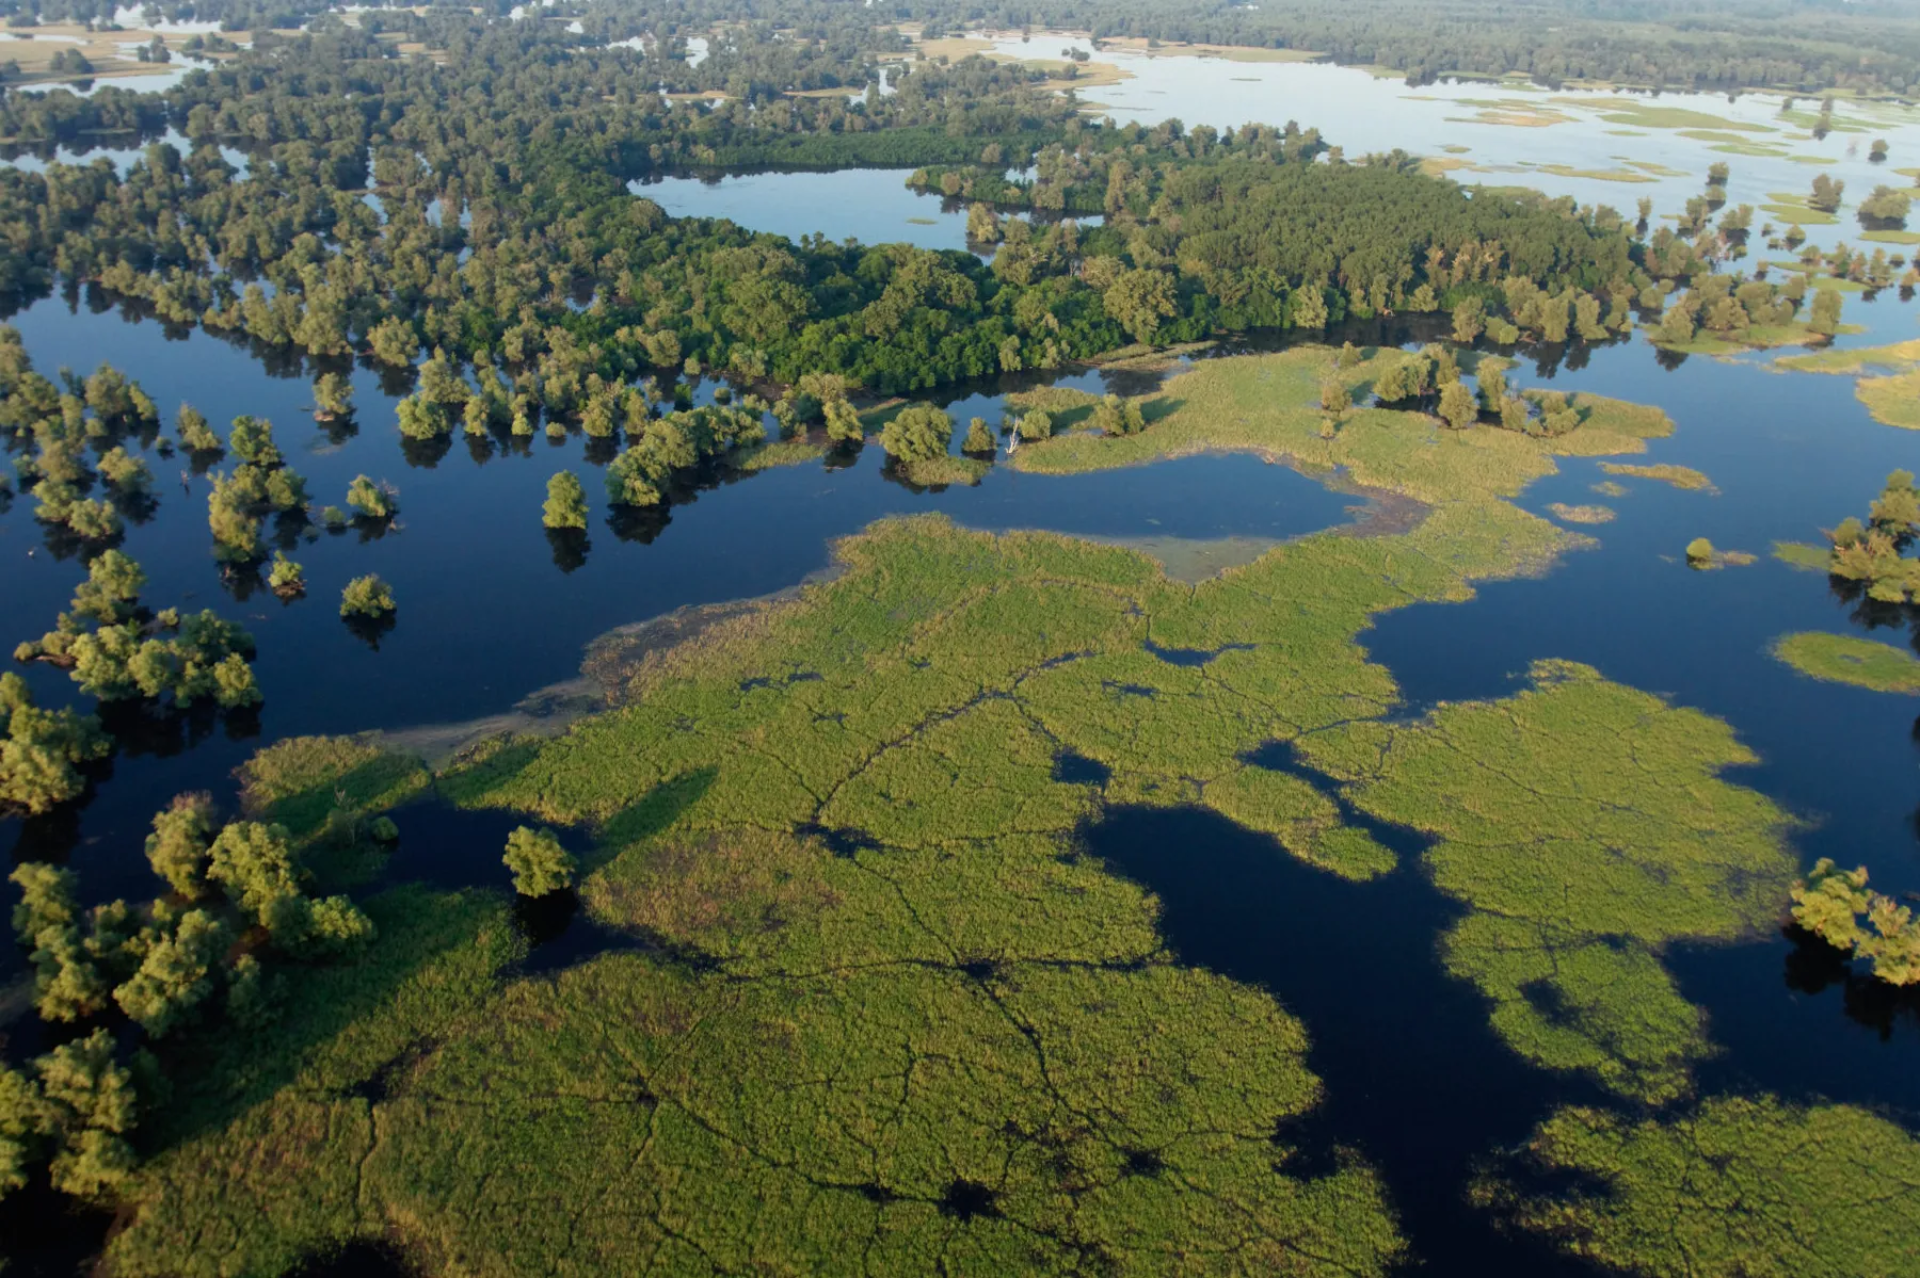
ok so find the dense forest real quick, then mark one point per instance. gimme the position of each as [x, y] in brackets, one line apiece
[1701, 44]
[559, 279]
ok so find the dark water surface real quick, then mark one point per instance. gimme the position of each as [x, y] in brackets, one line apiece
[490, 609]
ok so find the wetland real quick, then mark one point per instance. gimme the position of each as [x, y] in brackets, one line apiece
[1241, 819]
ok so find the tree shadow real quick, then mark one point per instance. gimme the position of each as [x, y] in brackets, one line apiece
[371, 630]
[658, 809]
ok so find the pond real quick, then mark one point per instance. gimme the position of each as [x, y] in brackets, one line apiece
[491, 609]
[874, 206]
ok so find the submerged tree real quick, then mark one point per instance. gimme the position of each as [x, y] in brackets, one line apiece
[538, 862]
[371, 500]
[332, 396]
[566, 505]
[40, 754]
[918, 432]
[366, 596]
[1837, 906]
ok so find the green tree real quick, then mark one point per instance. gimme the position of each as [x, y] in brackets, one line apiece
[178, 847]
[253, 863]
[394, 343]
[1334, 396]
[366, 596]
[1458, 407]
[286, 578]
[566, 505]
[918, 432]
[1825, 317]
[196, 436]
[39, 754]
[538, 863]
[373, 501]
[979, 438]
[1138, 300]
[176, 972]
[1700, 552]
[332, 396]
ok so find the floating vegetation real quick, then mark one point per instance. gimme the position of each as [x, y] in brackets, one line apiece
[1581, 514]
[1610, 488]
[1629, 174]
[1896, 355]
[1803, 555]
[1637, 114]
[1894, 401]
[1586, 827]
[1864, 663]
[1679, 476]
[1740, 1187]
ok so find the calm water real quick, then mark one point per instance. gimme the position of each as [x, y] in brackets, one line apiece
[489, 610]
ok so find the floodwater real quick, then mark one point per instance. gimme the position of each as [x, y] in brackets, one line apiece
[490, 609]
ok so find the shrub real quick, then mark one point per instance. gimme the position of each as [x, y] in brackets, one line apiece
[538, 862]
[367, 596]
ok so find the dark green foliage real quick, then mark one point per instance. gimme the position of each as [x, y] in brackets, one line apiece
[76, 1111]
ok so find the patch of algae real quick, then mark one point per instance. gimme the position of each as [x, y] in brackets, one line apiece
[1586, 827]
[1739, 1188]
[881, 1015]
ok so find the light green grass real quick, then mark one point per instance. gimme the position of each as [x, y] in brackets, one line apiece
[1859, 359]
[1864, 663]
[1803, 555]
[1894, 400]
[1685, 477]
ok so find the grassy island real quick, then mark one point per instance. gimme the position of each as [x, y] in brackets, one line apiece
[1864, 663]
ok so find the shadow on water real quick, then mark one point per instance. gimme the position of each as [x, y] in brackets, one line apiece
[1415, 1079]
[47, 1234]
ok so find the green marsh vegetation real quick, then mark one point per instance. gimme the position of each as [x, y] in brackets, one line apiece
[1574, 893]
[1863, 663]
[1272, 406]
[1683, 477]
[1584, 514]
[1737, 1188]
